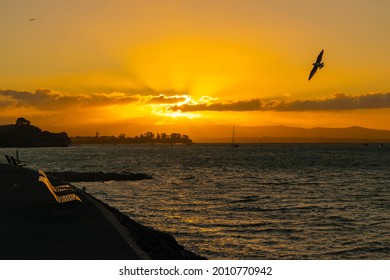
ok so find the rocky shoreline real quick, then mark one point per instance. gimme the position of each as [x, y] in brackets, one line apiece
[72, 176]
[35, 227]
[158, 245]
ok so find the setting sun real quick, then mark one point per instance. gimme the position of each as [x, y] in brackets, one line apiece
[191, 130]
[127, 65]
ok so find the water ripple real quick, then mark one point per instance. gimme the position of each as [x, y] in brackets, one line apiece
[291, 201]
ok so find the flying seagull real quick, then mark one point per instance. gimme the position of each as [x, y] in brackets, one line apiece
[317, 64]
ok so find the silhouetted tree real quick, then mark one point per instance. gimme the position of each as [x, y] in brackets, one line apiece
[23, 134]
[22, 122]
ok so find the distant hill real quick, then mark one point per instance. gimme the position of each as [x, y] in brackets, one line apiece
[23, 134]
[284, 134]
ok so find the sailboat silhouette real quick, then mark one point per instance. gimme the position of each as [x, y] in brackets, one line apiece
[234, 144]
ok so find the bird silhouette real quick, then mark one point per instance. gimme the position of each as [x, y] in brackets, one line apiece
[317, 64]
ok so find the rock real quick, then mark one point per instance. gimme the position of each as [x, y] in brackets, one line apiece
[157, 244]
[72, 176]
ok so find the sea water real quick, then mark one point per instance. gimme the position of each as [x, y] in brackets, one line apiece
[271, 201]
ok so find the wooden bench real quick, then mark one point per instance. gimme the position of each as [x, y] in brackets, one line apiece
[61, 194]
[57, 189]
[11, 160]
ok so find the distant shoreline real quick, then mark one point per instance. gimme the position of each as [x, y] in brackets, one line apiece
[290, 140]
[147, 138]
[254, 141]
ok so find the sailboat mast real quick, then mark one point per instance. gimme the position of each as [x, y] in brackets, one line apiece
[234, 144]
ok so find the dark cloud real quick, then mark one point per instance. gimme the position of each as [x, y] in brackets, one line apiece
[6, 104]
[45, 99]
[338, 101]
[251, 105]
[163, 99]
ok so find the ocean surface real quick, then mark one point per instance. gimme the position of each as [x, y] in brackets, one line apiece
[271, 201]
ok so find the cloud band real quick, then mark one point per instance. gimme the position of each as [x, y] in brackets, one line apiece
[337, 102]
[47, 100]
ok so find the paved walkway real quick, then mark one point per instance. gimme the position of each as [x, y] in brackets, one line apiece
[31, 229]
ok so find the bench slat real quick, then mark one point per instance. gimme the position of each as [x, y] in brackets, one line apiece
[61, 194]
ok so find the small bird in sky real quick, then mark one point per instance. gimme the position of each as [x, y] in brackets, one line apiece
[317, 64]
[32, 19]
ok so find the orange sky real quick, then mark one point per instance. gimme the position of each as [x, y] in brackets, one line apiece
[192, 66]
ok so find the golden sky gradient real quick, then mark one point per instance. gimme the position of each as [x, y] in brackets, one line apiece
[193, 66]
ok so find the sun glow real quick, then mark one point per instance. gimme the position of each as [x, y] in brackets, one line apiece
[177, 114]
[164, 109]
[189, 65]
[199, 66]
